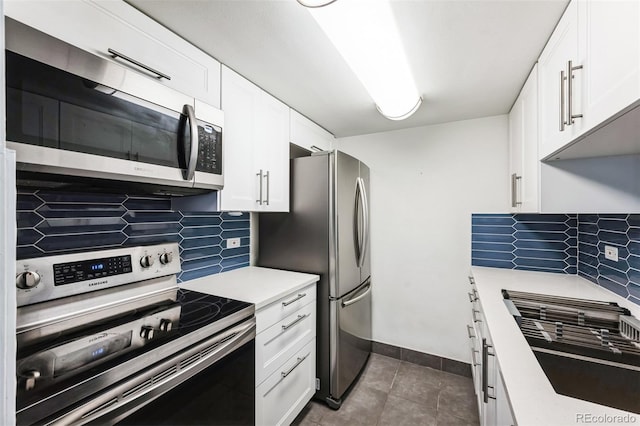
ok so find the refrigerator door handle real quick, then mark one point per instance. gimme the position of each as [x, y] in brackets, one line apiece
[356, 223]
[357, 298]
[365, 219]
[361, 207]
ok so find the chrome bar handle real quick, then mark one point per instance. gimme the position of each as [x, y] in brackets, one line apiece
[471, 299]
[298, 362]
[116, 54]
[294, 322]
[472, 280]
[474, 362]
[485, 372]
[494, 392]
[473, 315]
[358, 229]
[259, 200]
[267, 200]
[471, 335]
[300, 296]
[514, 190]
[562, 121]
[365, 217]
[570, 114]
[316, 148]
[356, 299]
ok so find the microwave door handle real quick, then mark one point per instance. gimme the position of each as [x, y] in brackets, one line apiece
[194, 141]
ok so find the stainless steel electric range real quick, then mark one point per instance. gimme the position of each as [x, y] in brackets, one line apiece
[107, 337]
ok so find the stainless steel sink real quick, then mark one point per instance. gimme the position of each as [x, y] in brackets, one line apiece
[580, 346]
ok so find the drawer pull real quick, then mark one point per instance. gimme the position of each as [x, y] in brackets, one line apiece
[474, 362]
[471, 297]
[471, 335]
[295, 321]
[473, 315]
[300, 296]
[298, 362]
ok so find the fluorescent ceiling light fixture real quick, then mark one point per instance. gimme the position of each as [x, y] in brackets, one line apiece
[366, 35]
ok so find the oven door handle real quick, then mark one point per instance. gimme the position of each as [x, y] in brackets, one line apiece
[194, 142]
[118, 402]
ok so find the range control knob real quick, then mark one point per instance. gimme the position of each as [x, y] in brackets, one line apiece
[166, 257]
[147, 332]
[31, 377]
[146, 261]
[165, 325]
[27, 279]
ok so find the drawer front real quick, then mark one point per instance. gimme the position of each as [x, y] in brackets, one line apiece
[281, 397]
[279, 342]
[284, 307]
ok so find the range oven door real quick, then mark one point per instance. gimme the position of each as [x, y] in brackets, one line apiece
[212, 383]
[73, 113]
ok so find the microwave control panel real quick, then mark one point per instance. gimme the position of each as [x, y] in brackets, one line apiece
[210, 149]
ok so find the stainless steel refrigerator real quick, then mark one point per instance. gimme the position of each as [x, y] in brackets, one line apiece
[327, 233]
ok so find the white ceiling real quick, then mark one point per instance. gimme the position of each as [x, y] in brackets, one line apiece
[469, 57]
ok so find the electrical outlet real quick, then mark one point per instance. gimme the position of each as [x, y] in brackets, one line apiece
[611, 253]
[233, 242]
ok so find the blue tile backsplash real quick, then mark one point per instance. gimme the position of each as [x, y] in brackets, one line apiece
[570, 244]
[56, 223]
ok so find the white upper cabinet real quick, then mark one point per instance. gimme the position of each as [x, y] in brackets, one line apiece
[523, 148]
[307, 134]
[589, 73]
[609, 50]
[256, 147]
[99, 25]
[556, 129]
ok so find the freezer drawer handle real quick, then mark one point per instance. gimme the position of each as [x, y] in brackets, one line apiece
[298, 362]
[294, 322]
[300, 296]
[356, 299]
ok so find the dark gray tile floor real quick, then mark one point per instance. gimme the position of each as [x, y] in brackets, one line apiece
[395, 393]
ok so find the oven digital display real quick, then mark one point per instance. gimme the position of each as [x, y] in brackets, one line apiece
[73, 272]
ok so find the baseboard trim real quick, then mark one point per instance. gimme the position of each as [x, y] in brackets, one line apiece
[424, 359]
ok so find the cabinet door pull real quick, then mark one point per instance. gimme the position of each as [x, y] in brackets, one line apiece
[316, 148]
[116, 54]
[514, 190]
[298, 362]
[294, 322]
[570, 114]
[473, 358]
[259, 200]
[267, 176]
[300, 296]
[471, 335]
[562, 121]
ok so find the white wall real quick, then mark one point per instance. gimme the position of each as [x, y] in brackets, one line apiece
[425, 183]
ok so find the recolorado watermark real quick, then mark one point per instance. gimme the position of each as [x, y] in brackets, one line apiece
[605, 418]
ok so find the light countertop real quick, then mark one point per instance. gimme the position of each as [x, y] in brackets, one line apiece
[260, 286]
[531, 395]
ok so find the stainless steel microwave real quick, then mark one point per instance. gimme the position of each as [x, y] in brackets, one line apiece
[78, 119]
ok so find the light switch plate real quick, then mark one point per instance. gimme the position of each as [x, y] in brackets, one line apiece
[233, 242]
[611, 253]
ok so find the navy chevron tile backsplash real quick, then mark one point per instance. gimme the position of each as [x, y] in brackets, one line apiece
[56, 223]
[570, 244]
[525, 241]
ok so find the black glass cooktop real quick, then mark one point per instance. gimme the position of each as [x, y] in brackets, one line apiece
[197, 311]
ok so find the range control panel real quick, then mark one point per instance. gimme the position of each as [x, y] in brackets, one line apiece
[72, 272]
[47, 278]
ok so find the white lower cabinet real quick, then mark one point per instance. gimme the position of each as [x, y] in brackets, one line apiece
[284, 393]
[285, 357]
[494, 408]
